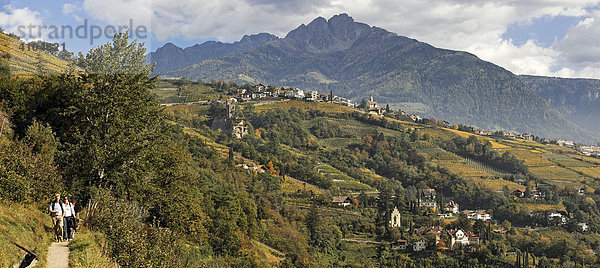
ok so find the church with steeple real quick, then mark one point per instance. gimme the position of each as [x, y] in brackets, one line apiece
[373, 107]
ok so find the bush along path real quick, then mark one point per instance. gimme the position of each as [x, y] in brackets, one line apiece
[58, 255]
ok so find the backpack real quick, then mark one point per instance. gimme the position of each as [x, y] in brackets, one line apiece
[62, 211]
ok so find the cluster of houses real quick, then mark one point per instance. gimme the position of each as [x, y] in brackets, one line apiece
[260, 91]
[524, 136]
[456, 238]
[451, 210]
[251, 167]
[427, 199]
[534, 194]
[237, 126]
[588, 150]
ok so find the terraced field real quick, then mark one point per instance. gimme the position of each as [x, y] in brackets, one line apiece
[460, 169]
[566, 161]
[304, 105]
[541, 207]
[556, 173]
[340, 179]
[167, 92]
[357, 129]
[495, 144]
[337, 143]
[372, 175]
[291, 186]
[593, 172]
[532, 158]
[587, 159]
[438, 133]
[26, 61]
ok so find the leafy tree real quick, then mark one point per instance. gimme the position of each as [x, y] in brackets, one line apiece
[109, 125]
[117, 57]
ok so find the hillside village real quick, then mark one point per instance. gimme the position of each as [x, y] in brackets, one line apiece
[218, 174]
[446, 239]
[291, 157]
[265, 93]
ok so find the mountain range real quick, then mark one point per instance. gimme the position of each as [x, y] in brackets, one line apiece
[171, 57]
[355, 60]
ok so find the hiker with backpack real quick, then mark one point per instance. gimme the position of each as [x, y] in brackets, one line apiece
[68, 219]
[57, 212]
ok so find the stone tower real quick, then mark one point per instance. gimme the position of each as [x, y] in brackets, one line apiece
[395, 218]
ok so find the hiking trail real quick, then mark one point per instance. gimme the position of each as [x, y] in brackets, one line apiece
[58, 255]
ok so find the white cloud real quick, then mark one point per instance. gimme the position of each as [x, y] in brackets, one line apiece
[581, 46]
[471, 25]
[120, 12]
[17, 20]
[69, 8]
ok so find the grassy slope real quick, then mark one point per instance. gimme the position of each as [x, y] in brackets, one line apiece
[86, 251]
[167, 92]
[27, 226]
[24, 61]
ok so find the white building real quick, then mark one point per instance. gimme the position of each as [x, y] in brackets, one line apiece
[477, 215]
[451, 207]
[557, 217]
[419, 245]
[395, 218]
[589, 150]
[565, 143]
[298, 94]
[312, 95]
[458, 237]
[426, 198]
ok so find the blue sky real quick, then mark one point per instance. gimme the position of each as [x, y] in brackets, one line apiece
[59, 14]
[540, 37]
[545, 30]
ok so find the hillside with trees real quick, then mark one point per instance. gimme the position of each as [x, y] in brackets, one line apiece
[577, 99]
[306, 183]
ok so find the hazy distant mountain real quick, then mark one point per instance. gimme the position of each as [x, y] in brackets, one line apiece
[577, 99]
[355, 60]
[170, 56]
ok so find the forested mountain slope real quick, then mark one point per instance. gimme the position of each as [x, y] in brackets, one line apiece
[577, 99]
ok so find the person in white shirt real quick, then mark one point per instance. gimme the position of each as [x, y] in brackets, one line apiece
[68, 219]
[56, 212]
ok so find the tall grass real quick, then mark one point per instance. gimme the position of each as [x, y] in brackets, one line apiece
[87, 250]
